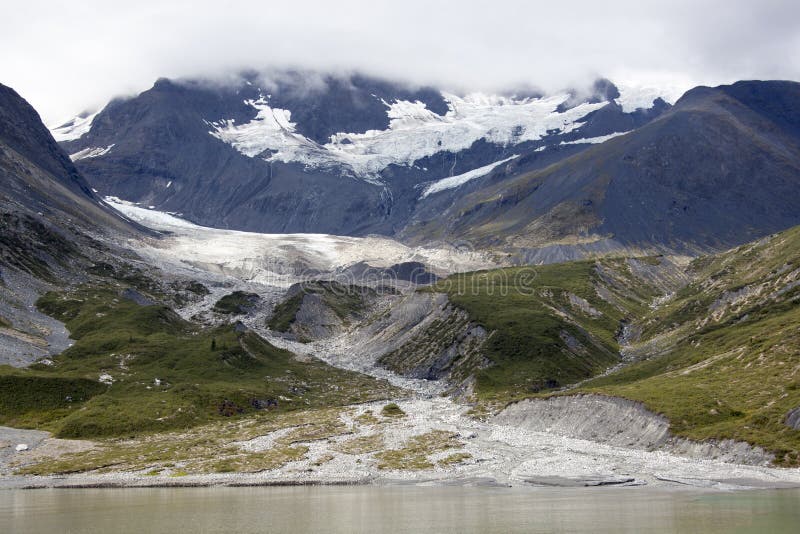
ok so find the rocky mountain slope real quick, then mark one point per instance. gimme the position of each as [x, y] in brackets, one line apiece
[38, 178]
[50, 225]
[342, 154]
[720, 168]
[546, 177]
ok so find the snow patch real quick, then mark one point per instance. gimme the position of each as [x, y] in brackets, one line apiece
[91, 152]
[594, 140]
[151, 218]
[74, 128]
[455, 181]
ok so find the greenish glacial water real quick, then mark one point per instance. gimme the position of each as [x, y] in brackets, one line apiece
[353, 509]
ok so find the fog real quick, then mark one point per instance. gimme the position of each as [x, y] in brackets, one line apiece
[65, 57]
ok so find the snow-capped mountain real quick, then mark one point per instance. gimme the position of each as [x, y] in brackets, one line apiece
[299, 151]
[720, 168]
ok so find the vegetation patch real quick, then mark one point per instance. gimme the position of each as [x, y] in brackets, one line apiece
[203, 449]
[346, 302]
[315, 432]
[730, 382]
[237, 303]
[414, 455]
[454, 459]
[730, 363]
[283, 316]
[258, 461]
[367, 418]
[392, 410]
[29, 398]
[361, 444]
[538, 340]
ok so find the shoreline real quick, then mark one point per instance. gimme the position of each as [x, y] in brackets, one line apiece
[133, 481]
[507, 451]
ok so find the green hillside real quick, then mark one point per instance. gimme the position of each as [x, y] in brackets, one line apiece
[549, 325]
[727, 361]
[160, 372]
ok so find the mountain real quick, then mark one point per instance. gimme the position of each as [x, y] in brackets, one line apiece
[295, 151]
[147, 345]
[543, 177]
[38, 178]
[81, 311]
[720, 168]
[50, 222]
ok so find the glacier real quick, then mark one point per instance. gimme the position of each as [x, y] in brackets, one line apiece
[414, 131]
[75, 128]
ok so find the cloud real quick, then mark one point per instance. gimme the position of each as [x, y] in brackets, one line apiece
[67, 56]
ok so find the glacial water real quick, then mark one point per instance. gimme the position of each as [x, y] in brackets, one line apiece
[401, 509]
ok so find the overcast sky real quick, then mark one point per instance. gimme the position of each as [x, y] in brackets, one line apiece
[68, 56]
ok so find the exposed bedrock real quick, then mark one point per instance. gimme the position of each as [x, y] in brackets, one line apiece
[315, 319]
[622, 423]
[793, 418]
[443, 344]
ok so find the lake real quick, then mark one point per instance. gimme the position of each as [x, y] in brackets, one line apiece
[401, 509]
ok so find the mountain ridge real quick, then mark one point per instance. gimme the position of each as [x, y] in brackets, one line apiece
[165, 148]
[654, 187]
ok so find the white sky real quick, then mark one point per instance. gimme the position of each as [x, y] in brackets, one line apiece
[65, 57]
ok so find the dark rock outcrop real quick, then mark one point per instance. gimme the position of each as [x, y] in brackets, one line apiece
[793, 419]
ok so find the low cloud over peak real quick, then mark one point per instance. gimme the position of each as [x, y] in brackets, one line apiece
[68, 57]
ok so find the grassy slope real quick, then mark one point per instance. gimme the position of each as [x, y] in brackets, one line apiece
[723, 354]
[538, 338]
[731, 367]
[204, 374]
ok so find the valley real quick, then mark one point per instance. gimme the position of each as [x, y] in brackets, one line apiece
[332, 379]
[400, 267]
[554, 322]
